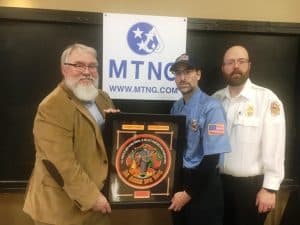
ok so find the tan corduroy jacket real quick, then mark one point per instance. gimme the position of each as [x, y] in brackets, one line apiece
[71, 162]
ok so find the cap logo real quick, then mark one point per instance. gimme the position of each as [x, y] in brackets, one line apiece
[183, 57]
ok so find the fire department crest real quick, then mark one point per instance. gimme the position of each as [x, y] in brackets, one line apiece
[143, 161]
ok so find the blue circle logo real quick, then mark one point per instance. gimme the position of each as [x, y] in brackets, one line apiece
[143, 39]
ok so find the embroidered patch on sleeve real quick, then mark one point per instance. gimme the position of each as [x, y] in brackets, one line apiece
[216, 129]
[275, 108]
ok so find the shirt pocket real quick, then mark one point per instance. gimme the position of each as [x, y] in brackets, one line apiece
[193, 132]
[247, 129]
[49, 182]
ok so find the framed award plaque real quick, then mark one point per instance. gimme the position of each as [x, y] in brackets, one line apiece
[145, 154]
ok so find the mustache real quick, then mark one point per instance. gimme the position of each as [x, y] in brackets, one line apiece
[87, 78]
[236, 71]
[182, 82]
[92, 79]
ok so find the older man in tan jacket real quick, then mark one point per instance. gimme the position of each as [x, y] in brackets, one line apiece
[71, 162]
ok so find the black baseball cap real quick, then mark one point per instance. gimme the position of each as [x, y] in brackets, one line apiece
[184, 62]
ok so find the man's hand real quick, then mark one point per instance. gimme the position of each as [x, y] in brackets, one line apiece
[265, 201]
[101, 205]
[111, 110]
[179, 200]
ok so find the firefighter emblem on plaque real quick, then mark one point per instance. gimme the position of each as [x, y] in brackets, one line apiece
[144, 158]
[143, 161]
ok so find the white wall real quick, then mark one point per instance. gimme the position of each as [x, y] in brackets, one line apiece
[255, 10]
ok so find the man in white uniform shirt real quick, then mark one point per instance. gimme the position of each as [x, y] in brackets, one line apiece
[253, 170]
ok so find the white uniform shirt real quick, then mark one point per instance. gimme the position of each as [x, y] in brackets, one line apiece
[256, 127]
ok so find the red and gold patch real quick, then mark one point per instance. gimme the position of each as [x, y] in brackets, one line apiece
[143, 161]
[275, 108]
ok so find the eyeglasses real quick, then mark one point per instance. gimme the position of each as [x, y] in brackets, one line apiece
[238, 62]
[82, 67]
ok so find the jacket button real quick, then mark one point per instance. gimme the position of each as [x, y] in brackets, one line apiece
[105, 161]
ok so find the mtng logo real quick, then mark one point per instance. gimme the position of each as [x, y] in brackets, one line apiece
[143, 39]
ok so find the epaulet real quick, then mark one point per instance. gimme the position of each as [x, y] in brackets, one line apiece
[257, 87]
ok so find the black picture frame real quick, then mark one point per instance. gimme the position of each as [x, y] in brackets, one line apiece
[145, 158]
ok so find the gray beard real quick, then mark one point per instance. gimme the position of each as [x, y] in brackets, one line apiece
[83, 92]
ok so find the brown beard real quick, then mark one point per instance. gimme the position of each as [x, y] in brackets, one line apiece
[234, 81]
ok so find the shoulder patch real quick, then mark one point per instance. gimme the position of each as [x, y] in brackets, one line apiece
[216, 129]
[275, 108]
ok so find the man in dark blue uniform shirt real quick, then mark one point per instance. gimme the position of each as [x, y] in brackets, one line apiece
[199, 201]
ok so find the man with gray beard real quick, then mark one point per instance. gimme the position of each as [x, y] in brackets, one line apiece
[71, 162]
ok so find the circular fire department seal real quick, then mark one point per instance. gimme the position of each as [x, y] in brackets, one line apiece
[143, 161]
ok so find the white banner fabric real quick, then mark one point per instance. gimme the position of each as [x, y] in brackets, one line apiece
[138, 52]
